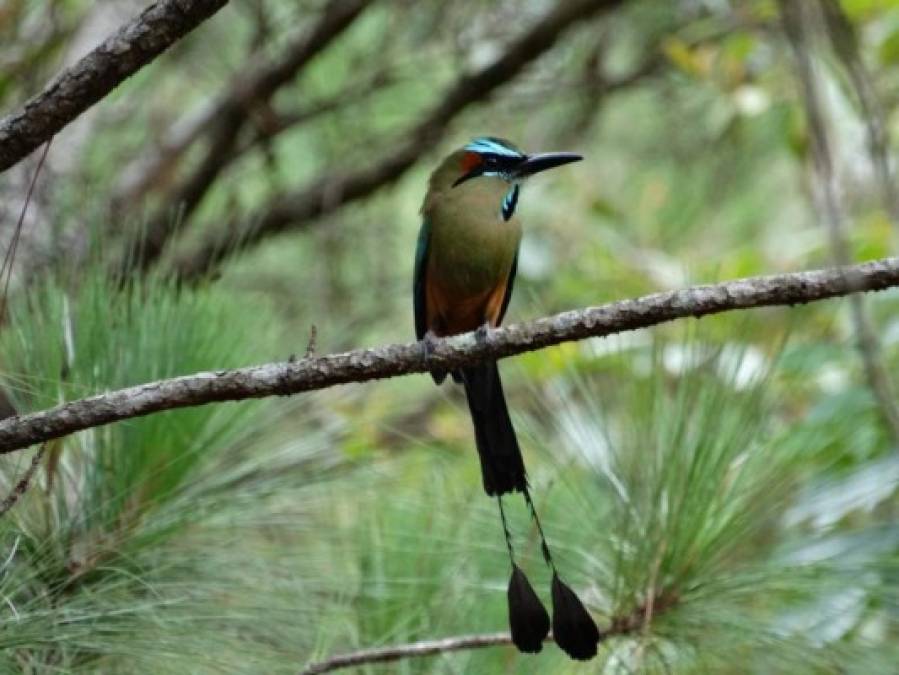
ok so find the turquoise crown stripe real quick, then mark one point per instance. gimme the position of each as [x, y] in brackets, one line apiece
[496, 146]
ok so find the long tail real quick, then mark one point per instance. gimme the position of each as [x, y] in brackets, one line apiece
[502, 465]
[502, 468]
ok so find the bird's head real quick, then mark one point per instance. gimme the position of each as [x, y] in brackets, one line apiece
[485, 169]
[495, 157]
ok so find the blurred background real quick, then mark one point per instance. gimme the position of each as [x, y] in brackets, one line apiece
[724, 492]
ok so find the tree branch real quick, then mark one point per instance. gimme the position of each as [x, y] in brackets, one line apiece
[227, 119]
[363, 365]
[406, 651]
[622, 625]
[845, 44]
[330, 192]
[77, 88]
[274, 121]
[21, 487]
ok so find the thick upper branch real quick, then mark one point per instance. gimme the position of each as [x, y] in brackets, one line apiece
[363, 365]
[76, 89]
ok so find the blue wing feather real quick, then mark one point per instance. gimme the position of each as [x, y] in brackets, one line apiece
[509, 285]
[418, 286]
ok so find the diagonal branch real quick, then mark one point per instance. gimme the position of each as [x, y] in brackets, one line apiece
[21, 487]
[407, 651]
[148, 172]
[363, 365]
[227, 119]
[76, 89]
[325, 195]
[274, 121]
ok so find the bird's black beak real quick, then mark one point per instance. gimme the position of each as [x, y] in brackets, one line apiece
[547, 160]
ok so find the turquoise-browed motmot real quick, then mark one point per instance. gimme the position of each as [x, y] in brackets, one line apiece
[465, 268]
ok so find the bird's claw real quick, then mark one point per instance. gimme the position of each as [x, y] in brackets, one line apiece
[482, 334]
[428, 345]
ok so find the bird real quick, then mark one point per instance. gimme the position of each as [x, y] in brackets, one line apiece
[465, 265]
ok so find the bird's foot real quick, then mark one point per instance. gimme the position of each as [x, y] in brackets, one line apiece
[428, 345]
[483, 334]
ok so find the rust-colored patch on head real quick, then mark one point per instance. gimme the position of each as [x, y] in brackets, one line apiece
[470, 160]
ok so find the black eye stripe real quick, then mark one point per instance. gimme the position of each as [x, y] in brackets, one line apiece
[498, 160]
[493, 164]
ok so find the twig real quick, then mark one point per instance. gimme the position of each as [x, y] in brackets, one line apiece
[294, 210]
[652, 593]
[76, 89]
[278, 121]
[10, 256]
[406, 651]
[598, 86]
[363, 365]
[831, 208]
[22, 486]
[845, 44]
[310, 346]
[619, 626]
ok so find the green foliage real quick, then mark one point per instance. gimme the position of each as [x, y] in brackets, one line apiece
[144, 543]
[739, 482]
[689, 548]
[685, 508]
[674, 505]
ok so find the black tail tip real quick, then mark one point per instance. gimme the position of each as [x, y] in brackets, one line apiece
[506, 486]
[528, 618]
[573, 628]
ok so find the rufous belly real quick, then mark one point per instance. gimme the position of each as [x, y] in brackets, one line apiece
[448, 313]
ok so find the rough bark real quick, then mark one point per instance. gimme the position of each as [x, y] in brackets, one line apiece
[292, 377]
[294, 210]
[77, 88]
